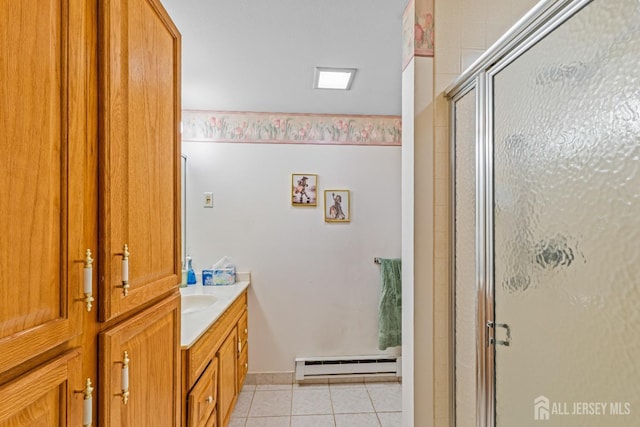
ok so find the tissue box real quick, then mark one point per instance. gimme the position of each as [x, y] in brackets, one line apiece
[224, 276]
[207, 277]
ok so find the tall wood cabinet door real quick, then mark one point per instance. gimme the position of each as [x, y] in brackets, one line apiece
[45, 97]
[46, 396]
[140, 369]
[227, 376]
[139, 154]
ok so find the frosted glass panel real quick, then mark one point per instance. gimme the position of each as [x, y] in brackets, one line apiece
[567, 224]
[465, 262]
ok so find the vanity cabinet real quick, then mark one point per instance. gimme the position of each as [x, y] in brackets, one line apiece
[90, 113]
[215, 354]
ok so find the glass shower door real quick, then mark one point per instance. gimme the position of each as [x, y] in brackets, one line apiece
[566, 224]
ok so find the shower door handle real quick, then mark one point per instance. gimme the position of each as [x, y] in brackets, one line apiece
[491, 325]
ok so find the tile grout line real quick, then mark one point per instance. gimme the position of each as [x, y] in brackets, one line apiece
[375, 411]
[253, 395]
[333, 412]
[291, 407]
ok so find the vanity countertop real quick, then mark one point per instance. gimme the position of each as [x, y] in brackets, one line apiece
[194, 324]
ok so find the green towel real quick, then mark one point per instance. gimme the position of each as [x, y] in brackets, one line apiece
[390, 312]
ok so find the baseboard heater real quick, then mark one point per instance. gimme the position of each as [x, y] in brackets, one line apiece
[344, 367]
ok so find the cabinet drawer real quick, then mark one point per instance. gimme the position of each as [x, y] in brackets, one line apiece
[203, 397]
[243, 329]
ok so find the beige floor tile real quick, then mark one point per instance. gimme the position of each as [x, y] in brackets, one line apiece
[357, 420]
[243, 404]
[312, 421]
[386, 399]
[350, 400]
[390, 419]
[237, 422]
[311, 402]
[268, 422]
[271, 403]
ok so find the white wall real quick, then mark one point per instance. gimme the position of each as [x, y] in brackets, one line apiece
[315, 288]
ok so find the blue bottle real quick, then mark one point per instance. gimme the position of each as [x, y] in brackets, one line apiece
[191, 275]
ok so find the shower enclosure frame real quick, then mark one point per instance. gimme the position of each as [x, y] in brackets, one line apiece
[545, 17]
[480, 355]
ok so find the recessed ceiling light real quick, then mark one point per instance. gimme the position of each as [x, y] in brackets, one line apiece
[333, 78]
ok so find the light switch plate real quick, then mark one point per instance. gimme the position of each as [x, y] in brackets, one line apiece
[208, 200]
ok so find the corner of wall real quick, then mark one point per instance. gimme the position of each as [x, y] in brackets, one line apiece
[418, 241]
[408, 87]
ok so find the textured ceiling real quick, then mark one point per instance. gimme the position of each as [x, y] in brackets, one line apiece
[251, 55]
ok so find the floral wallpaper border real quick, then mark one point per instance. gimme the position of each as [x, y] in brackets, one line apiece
[290, 128]
[418, 35]
[408, 39]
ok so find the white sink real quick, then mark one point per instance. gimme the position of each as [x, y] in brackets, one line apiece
[195, 303]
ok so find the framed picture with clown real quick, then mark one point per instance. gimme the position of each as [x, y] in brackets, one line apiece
[304, 189]
[337, 206]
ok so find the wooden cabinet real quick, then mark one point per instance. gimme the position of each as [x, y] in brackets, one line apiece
[224, 346]
[139, 212]
[140, 368]
[44, 396]
[139, 187]
[42, 136]
[90, 113]
[139, 154]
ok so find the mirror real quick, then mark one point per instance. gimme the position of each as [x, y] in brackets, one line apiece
[183, 206]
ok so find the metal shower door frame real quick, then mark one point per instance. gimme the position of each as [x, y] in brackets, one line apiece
[479, 314]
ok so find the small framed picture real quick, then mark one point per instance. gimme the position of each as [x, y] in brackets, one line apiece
[304, 189]
[337, 206]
